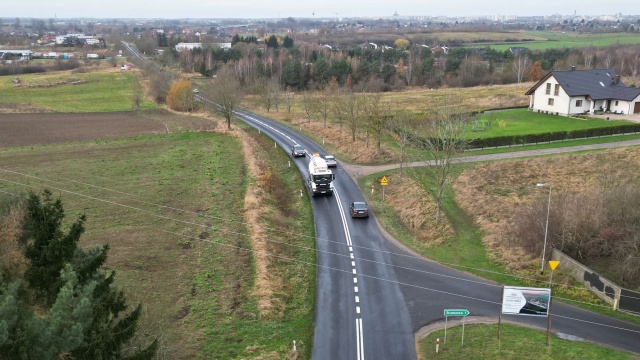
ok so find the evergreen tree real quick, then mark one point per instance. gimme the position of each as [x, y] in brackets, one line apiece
[48, 247]
[272, 42]
[321, 71]
[235, 39]
[84, 316]
[287, 42]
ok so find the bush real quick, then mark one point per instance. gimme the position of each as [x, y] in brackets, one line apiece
[552, 136]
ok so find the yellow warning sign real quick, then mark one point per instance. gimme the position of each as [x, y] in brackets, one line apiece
[384, 181]
[553, 264]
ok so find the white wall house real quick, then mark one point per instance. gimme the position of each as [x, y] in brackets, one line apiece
[573, 92]
[187, 46]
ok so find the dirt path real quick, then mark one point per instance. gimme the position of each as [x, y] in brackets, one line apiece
[355, 171]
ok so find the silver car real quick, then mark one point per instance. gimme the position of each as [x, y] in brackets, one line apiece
[330, 160]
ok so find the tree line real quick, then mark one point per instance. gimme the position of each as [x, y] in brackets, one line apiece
[305, 65]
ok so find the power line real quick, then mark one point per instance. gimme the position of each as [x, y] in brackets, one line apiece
[289, 233]
[296, 260]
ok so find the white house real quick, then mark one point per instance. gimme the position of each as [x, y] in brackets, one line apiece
[188, 46]
[571, 92]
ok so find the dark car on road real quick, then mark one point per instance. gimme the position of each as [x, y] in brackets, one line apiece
[330, 160]
[359, 209]
[297, 150]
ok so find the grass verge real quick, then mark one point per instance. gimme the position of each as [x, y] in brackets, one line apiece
[465, 250]
[480, 342]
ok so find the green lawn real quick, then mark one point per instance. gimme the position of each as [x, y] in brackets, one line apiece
[103, 91]
[521, 121]
[568, 39]
[516, 343]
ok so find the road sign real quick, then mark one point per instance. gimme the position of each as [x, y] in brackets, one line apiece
[384, 181]
[456, 312]
[553, 264]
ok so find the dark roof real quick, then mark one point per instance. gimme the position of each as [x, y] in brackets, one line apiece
[599, 84]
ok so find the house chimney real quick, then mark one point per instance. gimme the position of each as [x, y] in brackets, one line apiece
[573, 67]
[617, 80]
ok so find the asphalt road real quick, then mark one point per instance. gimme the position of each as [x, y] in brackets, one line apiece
[360, 309]
[399, 292]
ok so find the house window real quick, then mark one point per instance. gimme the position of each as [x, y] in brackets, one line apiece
[550, 102]
[548, 92]
[578, 103]
[616, 102]
[556, 91]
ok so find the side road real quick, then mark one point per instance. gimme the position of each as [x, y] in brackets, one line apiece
[356, 171]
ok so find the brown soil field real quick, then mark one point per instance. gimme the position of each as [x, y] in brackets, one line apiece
[31, 129]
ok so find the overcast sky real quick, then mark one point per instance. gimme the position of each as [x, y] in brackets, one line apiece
[172, 9]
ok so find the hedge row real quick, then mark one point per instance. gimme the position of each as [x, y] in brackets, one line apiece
[552, 136]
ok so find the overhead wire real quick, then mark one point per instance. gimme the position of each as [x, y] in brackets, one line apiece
[329, 267]
[133, 197]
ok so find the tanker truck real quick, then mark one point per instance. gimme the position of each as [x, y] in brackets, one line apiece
[320, 177]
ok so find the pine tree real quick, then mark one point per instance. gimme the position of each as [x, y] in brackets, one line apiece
[272, 42]
[287, 42]
[48, 247]
[84, 315]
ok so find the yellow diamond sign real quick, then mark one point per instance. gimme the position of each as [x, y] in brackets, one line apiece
[384, 181]
[553, 264]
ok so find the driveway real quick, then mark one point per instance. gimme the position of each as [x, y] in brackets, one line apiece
[356, 171]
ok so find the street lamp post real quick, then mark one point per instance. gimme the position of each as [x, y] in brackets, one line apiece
[546, 228]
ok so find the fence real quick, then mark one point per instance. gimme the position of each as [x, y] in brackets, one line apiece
[604, 288]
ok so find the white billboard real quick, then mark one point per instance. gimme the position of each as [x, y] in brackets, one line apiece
[525, 301]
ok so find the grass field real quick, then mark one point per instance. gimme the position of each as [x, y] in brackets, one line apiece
[480, 342]
[521, 121]
[171, 208]
[555, 39]
[72, 91]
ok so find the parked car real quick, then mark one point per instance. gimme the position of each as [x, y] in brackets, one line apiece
[359, 209]
[297, 150]
[330, 160]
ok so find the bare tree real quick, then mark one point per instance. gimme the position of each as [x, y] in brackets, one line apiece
[375, 114]
[442, 138]
[307, 104]
[402, 125]
[520, 66]
[322, 102]
[224, 94]
[136, 92]
[269, 92]
[287, 99]
[350, 109]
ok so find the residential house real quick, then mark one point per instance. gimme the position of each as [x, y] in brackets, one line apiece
[571, 92]
[188, 46]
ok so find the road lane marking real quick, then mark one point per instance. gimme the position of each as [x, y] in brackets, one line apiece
[359, 339]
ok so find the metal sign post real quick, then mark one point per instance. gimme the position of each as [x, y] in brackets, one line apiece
[384, 182]
[454, 312]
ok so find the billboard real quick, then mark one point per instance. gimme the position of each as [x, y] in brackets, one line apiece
[525, 301]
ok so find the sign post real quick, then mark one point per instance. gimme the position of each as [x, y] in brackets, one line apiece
[553, 264]
[454, 312]
[384, 182]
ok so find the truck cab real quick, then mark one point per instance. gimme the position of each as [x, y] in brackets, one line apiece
[320, 179]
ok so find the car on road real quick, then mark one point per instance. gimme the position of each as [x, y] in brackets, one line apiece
[330, 160]
[297, 150]
[359, 209]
